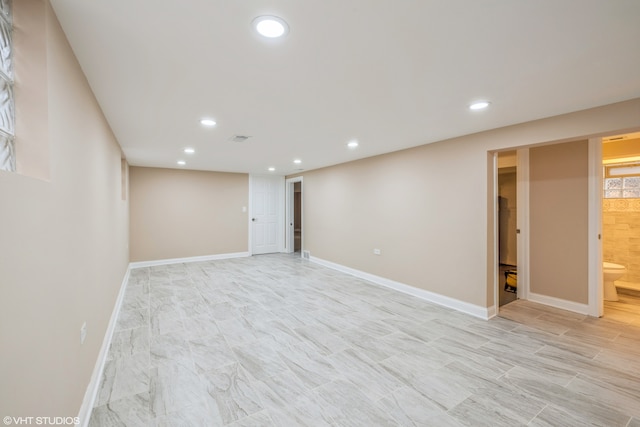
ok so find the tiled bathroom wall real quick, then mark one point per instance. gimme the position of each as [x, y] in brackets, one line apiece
[621, 235]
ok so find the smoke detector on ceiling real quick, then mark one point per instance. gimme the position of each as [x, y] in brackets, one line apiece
[239, 138]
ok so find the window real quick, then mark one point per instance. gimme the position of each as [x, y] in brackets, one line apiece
[7, 107]
[622, 181]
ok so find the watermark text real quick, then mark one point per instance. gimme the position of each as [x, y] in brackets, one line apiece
[41, 421]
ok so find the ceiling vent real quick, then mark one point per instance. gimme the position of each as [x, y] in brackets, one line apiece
[239, 138]
[615, 138]
[621, 137]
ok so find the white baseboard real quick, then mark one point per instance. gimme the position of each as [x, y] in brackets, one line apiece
[559, 303]
[464, 307]
[141, 264]
[491, 312]
[92, 390]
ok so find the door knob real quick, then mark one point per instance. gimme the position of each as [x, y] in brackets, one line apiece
[253, 219]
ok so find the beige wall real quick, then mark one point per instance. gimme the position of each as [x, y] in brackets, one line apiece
[621, 235]
[63, 251]
[413, 207]
[428, 208]
[63, 245]
[181, 213]
[559, 213]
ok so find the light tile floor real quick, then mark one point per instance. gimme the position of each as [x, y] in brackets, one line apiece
[626, 309]
[274, 340]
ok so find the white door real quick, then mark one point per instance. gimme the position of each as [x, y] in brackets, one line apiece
[267, 207]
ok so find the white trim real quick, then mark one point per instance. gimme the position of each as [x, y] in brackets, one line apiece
[596, 303]
[281, 215]
[621, 160]
[464, 307]
[289, 214]
[496, 232]
[492, 312]
[141, 264]
[249, 217]
[522, 191]
[92, 389]
[559, 303]
[288, 217]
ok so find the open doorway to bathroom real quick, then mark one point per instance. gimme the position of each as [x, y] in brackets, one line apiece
[507, 227]
[621, 227]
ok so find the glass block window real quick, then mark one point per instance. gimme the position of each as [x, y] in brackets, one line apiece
[622, 181]
[5, 10]
[7, 106]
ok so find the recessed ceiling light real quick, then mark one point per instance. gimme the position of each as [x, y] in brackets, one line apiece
[271, 169]
[189, 150]
[208, 122]
[297, 161]
[353, 144]
[480, 105]
[181, 162]
[270, 26]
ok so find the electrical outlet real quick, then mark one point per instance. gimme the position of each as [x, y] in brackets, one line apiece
[377, 252]
[83, 332]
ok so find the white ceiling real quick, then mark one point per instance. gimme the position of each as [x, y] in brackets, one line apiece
[392, 74]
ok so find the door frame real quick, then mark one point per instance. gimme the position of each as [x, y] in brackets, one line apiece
[496, 237]
[290, 214]
[280, 214]
[522, 177]
[595, 305]
[596, 292]
[522, 221]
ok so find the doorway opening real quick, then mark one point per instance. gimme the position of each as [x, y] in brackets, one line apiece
[507, 227]
[510, 195]
[294, 218]
[621, 226]
[598, 222]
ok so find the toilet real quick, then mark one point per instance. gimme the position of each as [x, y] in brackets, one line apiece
[611, 272]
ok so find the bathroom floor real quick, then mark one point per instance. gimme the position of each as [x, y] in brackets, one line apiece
[626, 309]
